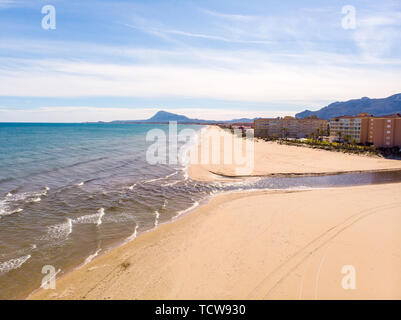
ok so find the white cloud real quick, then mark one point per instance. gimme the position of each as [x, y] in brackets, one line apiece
[92, 114]
[213, 37]
[390, 19]
[7, 3]
[378, 35]
[290, 72]
[235, 17]
[246, 77]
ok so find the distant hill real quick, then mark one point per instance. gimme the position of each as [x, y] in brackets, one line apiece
[377, 107]
[242, 120]
[165, 117]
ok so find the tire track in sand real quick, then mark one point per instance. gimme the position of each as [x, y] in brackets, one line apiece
[281, 272]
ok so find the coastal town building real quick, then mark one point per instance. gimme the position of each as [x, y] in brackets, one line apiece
[383, 131]
[353, 128]
[289, 127]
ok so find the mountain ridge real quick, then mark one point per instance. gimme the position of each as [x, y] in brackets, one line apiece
[377, 107]
[164, 117]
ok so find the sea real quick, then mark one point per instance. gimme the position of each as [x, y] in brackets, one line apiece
[72, 192]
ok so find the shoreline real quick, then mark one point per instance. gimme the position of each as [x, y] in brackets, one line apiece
[200, 204]
[149, 238]
[203, 202]
[168, 238]
[311, 174]
[128, 241]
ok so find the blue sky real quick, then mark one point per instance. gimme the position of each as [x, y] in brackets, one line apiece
[207, 59]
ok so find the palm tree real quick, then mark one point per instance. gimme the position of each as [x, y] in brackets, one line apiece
[284, 133]
[340, 135]
[347, 138]
[320, 133]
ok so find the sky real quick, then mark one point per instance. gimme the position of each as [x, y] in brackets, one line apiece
[106, 60]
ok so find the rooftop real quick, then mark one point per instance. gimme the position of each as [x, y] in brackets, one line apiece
[367, 115]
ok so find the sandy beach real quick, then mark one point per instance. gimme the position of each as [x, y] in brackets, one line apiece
[303, 244]
[273, 159]
[257, 245]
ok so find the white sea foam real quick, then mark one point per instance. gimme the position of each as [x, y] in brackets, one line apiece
[80, 184]
[29, 197]
[170, 175]
[101, 214]
[119, 218]
[95, 218]
[157, 216]
[180, 213]
[13, 264]
[153, 180]
[161, 178]
[132, 187]
[171, 183]
[44, 193]
[301, 188]
[60, 231]
[92, 256]
[185, 170]
[5, 209]
[186, 175]
[133, 236]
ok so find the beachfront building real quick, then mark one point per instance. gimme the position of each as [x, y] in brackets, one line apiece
[383, 131]
[289, 127]
[352, 128]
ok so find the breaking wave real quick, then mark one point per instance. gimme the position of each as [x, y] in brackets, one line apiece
[13, 264]
[157, 216]
[59, 231]
[95, 218]
[180, 213]
[92, 256]
[134, 235]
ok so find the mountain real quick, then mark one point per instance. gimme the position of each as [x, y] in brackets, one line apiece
[241, 120]
[377, 107]
[165, 117]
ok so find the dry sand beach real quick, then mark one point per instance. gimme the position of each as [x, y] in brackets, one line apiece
[261, 244]
[273, 159]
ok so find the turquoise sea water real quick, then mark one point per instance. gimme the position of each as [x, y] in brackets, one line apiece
[70, 191]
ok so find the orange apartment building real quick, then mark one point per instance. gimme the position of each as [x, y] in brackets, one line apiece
[289, 127]
[383, 131]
